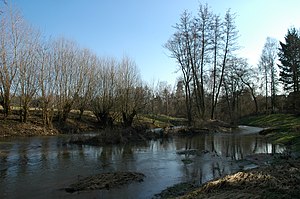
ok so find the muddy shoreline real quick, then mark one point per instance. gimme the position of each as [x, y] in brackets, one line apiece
[105, 181]
[281, 179]
[275, 175]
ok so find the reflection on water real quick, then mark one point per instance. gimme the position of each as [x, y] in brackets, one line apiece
[39, 167]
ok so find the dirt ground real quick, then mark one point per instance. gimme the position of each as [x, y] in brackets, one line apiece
[279, 180]
[105, 181]
[12, 127]
[277, 176]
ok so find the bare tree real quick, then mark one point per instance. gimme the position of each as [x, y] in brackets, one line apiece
[11, 40]
[28, 73]
[104, 94]
[48, 80]
[164, 92]
[130, 92]
[233, 87]
[200, 34]
[198, 42]
[89, 63]
[216, 38]
[267, 64]
[70, 76]
[229, 45]
[177, 45]
[248, 76]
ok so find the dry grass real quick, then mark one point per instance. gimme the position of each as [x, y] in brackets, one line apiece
[281, 180]
[105, 181]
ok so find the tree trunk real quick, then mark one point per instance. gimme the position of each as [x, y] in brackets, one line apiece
[65, 112]
[252, 94]
[24, 112]
[188, 103]
[6, 105]
[102, 118]
[128, 119]
[81, 110]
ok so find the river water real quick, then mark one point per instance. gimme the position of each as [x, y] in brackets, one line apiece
[40, 167]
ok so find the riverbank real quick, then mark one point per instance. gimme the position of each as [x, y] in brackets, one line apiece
[278, 176]
[279, 180]
[281, 129]
[12, 127]
[145, 127]
[157, 160]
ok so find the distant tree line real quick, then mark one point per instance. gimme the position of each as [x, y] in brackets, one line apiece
[217, 83]
[56, 76]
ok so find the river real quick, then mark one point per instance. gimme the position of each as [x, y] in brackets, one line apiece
[40, 167]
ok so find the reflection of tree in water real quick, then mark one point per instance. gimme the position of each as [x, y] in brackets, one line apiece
[64, 153]
[23, 159]
[45, 148]
[234, 146]
[115, 157]
[218, 151]
[105, 156]
[255, 145]
[164, 144]
[4, 163]
[218, 169]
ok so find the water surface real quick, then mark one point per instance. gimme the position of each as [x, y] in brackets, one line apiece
[39, 167]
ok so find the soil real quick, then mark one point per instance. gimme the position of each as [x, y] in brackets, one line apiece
[116, 136]
[209, 126]
[275, 181]
[24, 129]
[177, 190]
[140, 133]
[12, 127]
[105, 181]
[279, 179]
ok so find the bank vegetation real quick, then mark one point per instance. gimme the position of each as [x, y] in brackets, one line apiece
[46, 81]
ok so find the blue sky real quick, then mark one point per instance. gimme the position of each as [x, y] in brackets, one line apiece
[140, 28]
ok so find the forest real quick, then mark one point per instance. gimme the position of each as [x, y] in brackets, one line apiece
[56, 76]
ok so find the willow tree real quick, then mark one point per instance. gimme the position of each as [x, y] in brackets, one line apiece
[11, 41]
[89, 63]
[48, 80]
[104, 93]
[130, 93]
[28, 71]
[70, 75]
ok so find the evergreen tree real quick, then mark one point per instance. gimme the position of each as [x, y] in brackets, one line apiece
[289, 56]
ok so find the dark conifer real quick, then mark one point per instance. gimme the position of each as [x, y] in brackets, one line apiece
[289, 56]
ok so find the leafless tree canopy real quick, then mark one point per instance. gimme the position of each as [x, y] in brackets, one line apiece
[57, 76]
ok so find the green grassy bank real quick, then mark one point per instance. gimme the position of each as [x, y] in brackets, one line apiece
[284, 128]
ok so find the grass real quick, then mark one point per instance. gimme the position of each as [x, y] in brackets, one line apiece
[284, 122]
[161, 121]
[286, 128]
